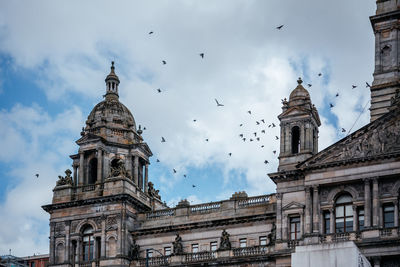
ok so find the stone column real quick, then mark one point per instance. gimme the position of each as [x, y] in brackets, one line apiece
[78, 249]
[103, 237]
[380, 220]
[367, 203]
[67, 255]
[136, 170]
[332, 220]
[301, 224]
[74, 175]
[129, 164]
[308, 211]
[315, 210]
[355, 218]
[52, 243]
[302, 138]
[146, 177]
[375, 203]
[285, 227]
[99, 166]
[81, 167]
[278, 216]
[396, 213]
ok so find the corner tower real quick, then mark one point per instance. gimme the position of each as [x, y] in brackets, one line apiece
[386, 25]
[299, 122]
[94, 206]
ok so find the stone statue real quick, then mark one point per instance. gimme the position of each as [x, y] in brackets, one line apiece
[119, 170]
[134, 251]
[152, 191]
[271, 237]
[177, 244]
[225, 244]
[67, 180]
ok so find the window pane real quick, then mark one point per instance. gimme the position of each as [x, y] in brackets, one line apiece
[340, 225]
[349, 225]
[340, 211]
[327, 222]
[243, 242]
[195, 248]
[167, 251]
[263, 240]
[213, 246]
[344, 199]
[349, 210]
[388, 208]
[388, 218]
[292, 236]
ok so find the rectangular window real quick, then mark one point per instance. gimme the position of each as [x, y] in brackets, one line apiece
[195, 248]
[167, 251]
[213, 246]
[243, 242]
[294, 228]
[263, 240]
[149, 252]
[388, 216]
[327, 222]
[361, 219]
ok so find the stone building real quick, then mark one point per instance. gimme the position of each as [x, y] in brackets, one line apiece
[335, 207]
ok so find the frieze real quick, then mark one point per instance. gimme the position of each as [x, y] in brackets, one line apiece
[111, 223]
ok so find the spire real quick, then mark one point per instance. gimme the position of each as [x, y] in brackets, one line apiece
[112, 82]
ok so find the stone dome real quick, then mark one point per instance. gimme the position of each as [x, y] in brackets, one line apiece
[299, 95]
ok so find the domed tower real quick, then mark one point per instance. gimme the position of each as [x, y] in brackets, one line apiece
[94, 209]
[299, 128]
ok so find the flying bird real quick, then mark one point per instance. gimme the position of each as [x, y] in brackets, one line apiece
[263, 131]
[218, 104]
[194, 120]
[343, 130]
[249, 111]
[280, 27]
[241, 135]
[240, 125]
[274, 151]
[207, 140]
[158, 160]
[159, 90]
[257, 123]
[162, 139]
[230, 154]
[37, 175]
[184, 175]
[244, 139]
[251, 140]
[309, 84]
[193, 186]
[144, 128]
[174, 170]
[266, 162]
[353, 86]
[202, 55]
[320, 74]
[331, 105]
[337, 94]
[255, 133]
[263, 121]
[258, 138]
[273, 125]
[151, 32]
[367, 85]
[276, 137]
[269, 126]
[262, 146]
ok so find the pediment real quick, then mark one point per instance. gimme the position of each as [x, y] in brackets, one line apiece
[378, 138]
[293, 205]
[294, 111]
[89, 137]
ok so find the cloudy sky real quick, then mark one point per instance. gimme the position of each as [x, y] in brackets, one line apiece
[54, 56]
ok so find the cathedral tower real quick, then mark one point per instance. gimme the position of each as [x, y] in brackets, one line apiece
[386, 25]
[299, 123]
[94, 209]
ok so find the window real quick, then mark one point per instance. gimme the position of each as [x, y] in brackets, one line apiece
[149, 252]
[88, 244]
[294, 228]
[92, 171]
[167, 251]
[344, 214]
[388, 216]
[327, 222]
[295, 140]
[361, 219]
[263, 240]
[243, 242]
[213, 246]
[195, 248]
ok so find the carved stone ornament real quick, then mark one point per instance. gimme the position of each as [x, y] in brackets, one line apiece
[177, 245]
[119, 170]
[134, 251]
[67, 180]
[152, 191]
[225, 244]
[271, 237]
[111, 223]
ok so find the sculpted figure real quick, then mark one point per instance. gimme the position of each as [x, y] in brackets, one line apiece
[225, 244]
[177, 244]
[67, 180]
[119, 170]
[134, 251]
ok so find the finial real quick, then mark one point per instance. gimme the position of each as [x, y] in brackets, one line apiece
[139, 131]
[299, 81]
[112, 66]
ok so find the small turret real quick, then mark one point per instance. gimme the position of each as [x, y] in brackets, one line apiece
[112, 82]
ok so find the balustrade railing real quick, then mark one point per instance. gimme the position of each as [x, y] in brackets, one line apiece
[155, 261]
[338, 237]
[160, 213]
[89, 187]
[293, 243]
[389, 232]
[253, 201]
[205, 208]
[250, 251]
[200, 256]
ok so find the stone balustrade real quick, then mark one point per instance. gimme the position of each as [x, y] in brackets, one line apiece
[160, 213]
[254, 201]
[205, 208]
[251, 251]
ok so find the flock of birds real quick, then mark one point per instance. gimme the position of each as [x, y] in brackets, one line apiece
[253, 137]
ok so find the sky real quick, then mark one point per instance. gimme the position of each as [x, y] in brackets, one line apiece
[55, 55]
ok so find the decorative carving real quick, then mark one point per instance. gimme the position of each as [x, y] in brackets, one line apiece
[152, 191]
[177, 244]
[98, 222]
[111, 223]
[386, 188]
[271, 237]
[74, 224]
[119, 170]
[134, 251]
[225, 244]
[67, 180]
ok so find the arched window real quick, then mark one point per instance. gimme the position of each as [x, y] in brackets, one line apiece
[92, 171]
[88, 243]
[60, 253]
[295, 140]
[111, 250]
[344, 214]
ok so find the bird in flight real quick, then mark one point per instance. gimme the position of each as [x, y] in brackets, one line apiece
[331, 105]
[255, 133]
[244, 139]
[320, 74]
[257, 123]
[276, 137]
[230, 154]
[202, 55]
[274, 151]
[258, 138]
[193, 186]
[158, 160]
[164, 62]
[309, 84]
[343, 130]
[280, 27]
[241, 135]
[174, 170]
[367, 85]
[194, 120]
[240, 125]
[266, 161]
[263, 121]
[337, 94]
[273, 125]
[353, 86]
[249, 111]
[37, 175]
[162, 139]
[151, 32]
[262, 146]
[184, 175]
[251, 140]
[218, 104]
[263, 131]
[207, 140]
[159, 90]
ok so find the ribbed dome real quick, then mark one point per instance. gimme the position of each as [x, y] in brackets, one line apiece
[299, 95]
